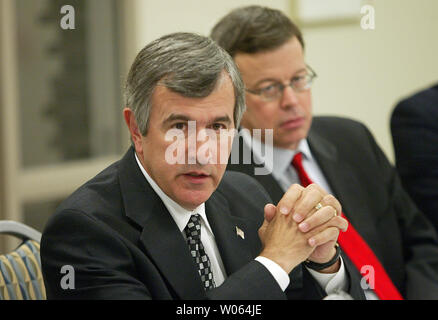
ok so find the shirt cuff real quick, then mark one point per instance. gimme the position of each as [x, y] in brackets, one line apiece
[332, 282]
[277, 272]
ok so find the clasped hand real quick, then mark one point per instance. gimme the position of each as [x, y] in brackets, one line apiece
[296, 229]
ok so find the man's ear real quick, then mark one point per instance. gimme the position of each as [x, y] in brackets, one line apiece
[136, 135]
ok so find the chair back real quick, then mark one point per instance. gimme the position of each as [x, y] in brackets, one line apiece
[20, 270]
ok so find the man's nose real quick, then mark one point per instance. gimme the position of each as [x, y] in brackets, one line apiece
[191, 143]
[201, 146]
[289, 98]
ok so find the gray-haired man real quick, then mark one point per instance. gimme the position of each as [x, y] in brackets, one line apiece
[151, 226]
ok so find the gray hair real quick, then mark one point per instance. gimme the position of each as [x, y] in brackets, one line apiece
[186, 63]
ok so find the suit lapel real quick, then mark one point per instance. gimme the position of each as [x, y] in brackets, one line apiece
[346, 187]
[234, 249]
[165, 244]
[161, 239]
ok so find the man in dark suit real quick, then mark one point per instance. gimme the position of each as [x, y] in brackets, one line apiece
[165, 222]
[280, 143]
[414, 128]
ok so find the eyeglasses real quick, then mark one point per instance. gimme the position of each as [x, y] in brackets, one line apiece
[298, 83]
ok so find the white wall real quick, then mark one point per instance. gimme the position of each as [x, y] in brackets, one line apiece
[361, 73]
[156, 18]
[364, 73]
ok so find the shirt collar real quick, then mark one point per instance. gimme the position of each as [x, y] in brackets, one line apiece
[281, 158]
[178, 213]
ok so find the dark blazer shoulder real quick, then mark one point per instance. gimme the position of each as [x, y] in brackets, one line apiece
[338, 125]
[427, 99]
[419, 109]
[342, 134]
[99, 190]
[98, 201]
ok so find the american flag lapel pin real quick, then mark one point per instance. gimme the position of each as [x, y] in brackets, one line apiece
[240, 232]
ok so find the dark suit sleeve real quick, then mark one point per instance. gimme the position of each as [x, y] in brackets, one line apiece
[354, 278]
[255, 280]
[103, 269]
[419, 238]
[414, 128]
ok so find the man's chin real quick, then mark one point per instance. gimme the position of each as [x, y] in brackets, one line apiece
[191, 199]
[287, 144]
[290, 140]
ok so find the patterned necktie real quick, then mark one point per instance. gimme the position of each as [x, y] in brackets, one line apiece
[193, 233]
[356, 248]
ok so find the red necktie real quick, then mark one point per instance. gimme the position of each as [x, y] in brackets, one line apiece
[356, 248]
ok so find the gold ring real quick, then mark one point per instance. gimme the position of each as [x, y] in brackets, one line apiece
[318, 206]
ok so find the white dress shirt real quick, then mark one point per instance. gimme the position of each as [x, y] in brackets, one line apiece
[181, 217]
[282, 171]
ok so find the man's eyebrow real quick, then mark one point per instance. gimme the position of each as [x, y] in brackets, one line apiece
[225, 118]
[182, 117]
[276, 80]
[265, 80]
[177, 117]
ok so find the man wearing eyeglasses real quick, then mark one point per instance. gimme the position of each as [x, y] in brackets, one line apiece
[389, 242]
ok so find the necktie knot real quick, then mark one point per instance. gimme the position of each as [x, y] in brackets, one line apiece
[297, 163]
[193, 228]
